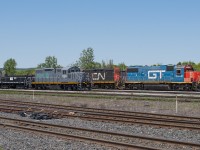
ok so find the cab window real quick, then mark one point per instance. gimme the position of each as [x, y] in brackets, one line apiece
[178, 72]
[64, 71]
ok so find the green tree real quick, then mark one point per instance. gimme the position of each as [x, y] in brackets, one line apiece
[98, 65]
[30, 71]
[122, 66]
[194, 65]
[10, 66]
[103, 64]
[50, 62]
[86, 60]
[76, 64]
[198, 67]
[110, 64]
[107, 65]
[186, 63]
[158, 64]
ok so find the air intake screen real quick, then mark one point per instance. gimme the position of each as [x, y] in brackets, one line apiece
[170, 68]
[132, 70]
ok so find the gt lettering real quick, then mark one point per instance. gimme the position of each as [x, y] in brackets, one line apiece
[153, 74]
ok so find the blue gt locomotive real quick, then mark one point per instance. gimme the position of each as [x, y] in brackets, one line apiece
[166, 77]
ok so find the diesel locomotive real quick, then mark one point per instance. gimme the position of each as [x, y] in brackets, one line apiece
[49, 78]
[166, 77]
[163, 77]
[104, 78]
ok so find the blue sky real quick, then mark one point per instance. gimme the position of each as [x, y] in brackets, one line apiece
[136, 32]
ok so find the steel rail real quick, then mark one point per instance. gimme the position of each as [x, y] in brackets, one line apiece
[46, 125]
[105, 117]
[114, 93]
[85, 113]
[107, 111]
[82, 138]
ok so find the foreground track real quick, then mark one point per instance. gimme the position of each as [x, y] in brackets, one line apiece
[60, 111]
[101, 137]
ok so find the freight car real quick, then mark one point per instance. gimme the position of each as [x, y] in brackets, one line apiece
[61, 78]
[16, 81]
[104, 78]
[163, 77]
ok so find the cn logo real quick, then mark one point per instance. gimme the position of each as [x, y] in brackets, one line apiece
[98, 76]
[154, 73]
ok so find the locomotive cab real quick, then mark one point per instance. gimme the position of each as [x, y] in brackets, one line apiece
[188, 73]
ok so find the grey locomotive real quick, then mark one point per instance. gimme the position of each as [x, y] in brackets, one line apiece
[61, 78]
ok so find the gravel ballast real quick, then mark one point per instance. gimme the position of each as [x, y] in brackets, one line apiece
[18, 140]
[159, 105]
[14, 140]
[11, 139]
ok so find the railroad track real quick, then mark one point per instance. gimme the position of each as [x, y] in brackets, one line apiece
[122, 93]
[60, 111]
[146, 91]
[113, 90]
[101, 137]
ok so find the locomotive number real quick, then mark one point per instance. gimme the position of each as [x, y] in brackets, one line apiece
[153, 74]
[98, 76]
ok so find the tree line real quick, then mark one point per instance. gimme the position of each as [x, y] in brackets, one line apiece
[85, 61]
